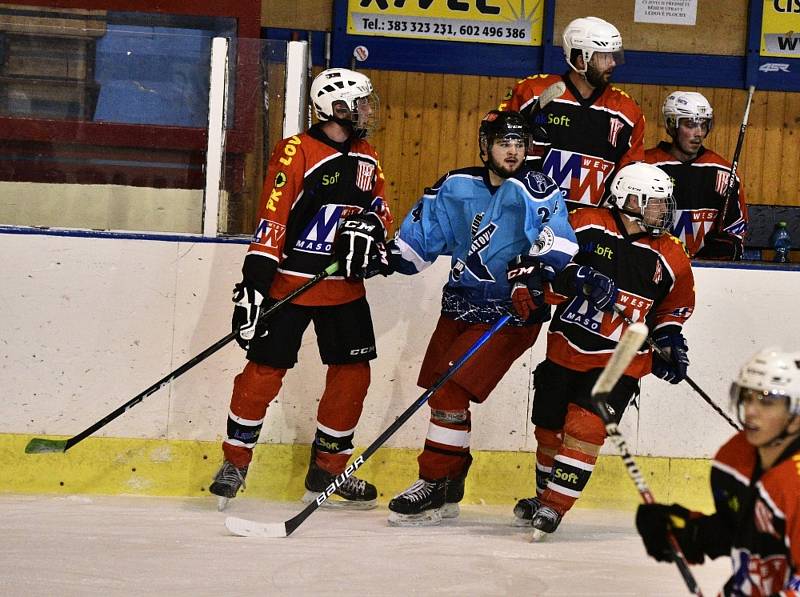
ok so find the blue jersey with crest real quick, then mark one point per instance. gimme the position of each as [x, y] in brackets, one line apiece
[482, 228]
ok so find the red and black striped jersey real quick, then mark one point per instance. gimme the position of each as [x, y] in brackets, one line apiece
[655, 282]
[312, 183]
[699, 195]
[757, 518]
[589, 139]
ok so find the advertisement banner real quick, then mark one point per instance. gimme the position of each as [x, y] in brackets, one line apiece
[780, 29]
[515, 22]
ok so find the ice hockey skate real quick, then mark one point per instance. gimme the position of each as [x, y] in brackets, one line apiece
[454, 493]
[524, 511]
[352, 494]
[227, 482]
[420, 505]
[545, 522]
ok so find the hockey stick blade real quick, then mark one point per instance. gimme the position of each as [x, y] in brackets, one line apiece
[247, 528]
[250, 528]
[629, 344]
[41, 445]
[552, 92]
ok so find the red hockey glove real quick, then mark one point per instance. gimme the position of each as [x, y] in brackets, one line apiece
[527, 288]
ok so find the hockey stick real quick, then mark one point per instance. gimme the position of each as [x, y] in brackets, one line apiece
[548, 95]
[735, 163]
[662, 353]
[623, 355]
[250, 528]
[40, 445]
[535, 118]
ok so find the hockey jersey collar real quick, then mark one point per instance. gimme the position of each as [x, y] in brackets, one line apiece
[617, 215]
[577, 94]
[315, 132]
[665, 147]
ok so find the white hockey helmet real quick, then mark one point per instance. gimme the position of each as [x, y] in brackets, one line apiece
[651, 190]
[350, 87]
[773, 373]
[686, 104]
[590, 35]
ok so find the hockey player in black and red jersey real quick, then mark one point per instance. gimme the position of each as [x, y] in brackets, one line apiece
[322, 199]
[593, 129]
[630, 244]
[701, 178]
[755, 481]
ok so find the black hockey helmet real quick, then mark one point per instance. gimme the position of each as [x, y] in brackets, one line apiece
[503, 125]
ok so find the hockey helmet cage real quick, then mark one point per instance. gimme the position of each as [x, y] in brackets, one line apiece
[343, 85]
[650, 186]
[686, 104]
[773, 373]
[590, 35]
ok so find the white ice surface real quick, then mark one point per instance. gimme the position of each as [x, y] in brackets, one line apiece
[110, 546]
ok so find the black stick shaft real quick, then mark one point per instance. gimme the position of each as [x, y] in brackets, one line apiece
[169, 377]
[661, 353]
[297, 520]
[644, 491]
[735, 163]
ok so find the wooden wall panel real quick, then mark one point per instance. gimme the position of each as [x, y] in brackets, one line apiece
[788, 183]
[721, 27]
[430, 126]
[432, 122]
[316, 15]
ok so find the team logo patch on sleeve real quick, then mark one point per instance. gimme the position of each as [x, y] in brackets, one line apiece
[544, 243]
[538, 184]
[269, 233]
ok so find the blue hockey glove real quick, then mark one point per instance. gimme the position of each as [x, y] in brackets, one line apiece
[527, 285]
[674, 369]
[598, 288]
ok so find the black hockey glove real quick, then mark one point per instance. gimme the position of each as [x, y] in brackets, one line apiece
[525, 275]
[359, 246]
[652, 522]
[248, 302]
[251, 296]
[674, 369]
[721, 246]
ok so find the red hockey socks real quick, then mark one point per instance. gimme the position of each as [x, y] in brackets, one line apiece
[584, 434]
[338, 414]
[253, 390]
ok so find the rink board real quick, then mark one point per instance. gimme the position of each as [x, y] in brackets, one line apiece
[88, 323]
[184, 469]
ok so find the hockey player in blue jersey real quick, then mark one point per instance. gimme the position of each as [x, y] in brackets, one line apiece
[483, 218]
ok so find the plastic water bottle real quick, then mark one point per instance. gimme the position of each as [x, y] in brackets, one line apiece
[781, 242]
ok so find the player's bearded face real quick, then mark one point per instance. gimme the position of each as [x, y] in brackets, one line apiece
[506, 156]
[600, 68]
